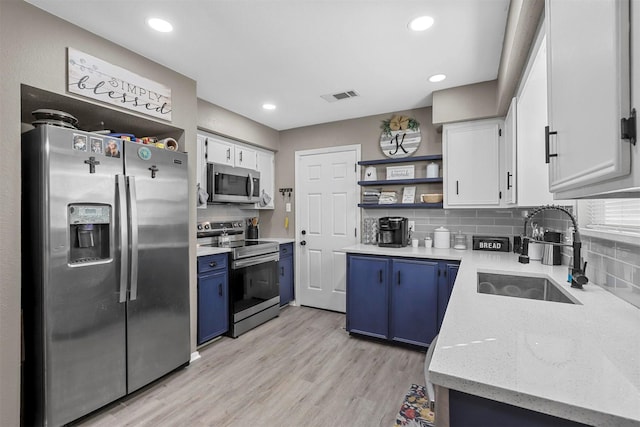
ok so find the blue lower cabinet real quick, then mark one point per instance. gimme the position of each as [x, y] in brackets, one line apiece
[414, 301]
[467, 410]
[447, 272]
[367, 295]
[393, 298]
[285, 274]
[213, 298]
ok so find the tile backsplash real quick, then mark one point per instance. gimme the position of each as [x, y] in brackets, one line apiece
[480, 222]
[614, 266]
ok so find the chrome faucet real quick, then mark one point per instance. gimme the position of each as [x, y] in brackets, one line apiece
[577, 271]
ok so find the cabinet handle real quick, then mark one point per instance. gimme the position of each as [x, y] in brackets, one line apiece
[398, 277]
[220, 289]
[457, 187]
[213, 264]
[509, 180]
[228, 153]
[444, 273]
[547, 156]
[241, 157]
[439, 272]
[282, 271]
[380, 276]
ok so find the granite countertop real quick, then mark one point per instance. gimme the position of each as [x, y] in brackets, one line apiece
[575, 361]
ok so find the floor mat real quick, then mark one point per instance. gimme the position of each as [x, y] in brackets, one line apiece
[415, 410]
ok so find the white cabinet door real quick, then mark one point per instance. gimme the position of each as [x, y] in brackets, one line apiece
[471, 157]
[510, 173]
[221, 152]
[266, 167]
[531, 118]
[588, 86]
[245, 157]
[201, 165]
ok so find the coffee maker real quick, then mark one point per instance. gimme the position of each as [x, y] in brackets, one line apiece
[393, 232]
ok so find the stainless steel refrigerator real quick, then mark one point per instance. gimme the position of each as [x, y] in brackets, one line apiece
[105, 270]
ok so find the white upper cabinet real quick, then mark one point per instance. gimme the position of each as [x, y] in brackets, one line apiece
[266, 167]
[510, 175]
[201, 166]
[531, 118]
[221, 152]
[588, 88]
[229, 153]
[246, 157]
[471, 160]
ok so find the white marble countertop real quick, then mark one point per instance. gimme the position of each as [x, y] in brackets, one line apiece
[280, 240]
[208, 250]
[580, 362]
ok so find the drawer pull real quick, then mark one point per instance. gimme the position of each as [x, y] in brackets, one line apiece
[213, 264]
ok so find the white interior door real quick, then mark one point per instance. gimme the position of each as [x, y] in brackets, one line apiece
[327, 220]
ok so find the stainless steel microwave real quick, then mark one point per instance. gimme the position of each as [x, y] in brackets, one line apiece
[228, 184]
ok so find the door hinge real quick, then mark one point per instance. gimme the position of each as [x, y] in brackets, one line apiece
[628, 127]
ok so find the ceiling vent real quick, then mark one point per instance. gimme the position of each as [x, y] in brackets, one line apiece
[340, 96]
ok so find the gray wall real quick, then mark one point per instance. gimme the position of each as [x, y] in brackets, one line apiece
[364, 131]
[33, 51]
[492, 98]
[227, 123]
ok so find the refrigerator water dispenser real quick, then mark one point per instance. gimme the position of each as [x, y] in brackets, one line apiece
[89, 231]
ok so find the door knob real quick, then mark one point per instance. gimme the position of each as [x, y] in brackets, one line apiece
[304, 242]
[304, 232]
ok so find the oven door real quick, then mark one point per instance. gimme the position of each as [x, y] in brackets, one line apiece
[254, 285]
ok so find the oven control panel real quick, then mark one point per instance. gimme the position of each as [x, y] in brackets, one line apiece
[208, 228]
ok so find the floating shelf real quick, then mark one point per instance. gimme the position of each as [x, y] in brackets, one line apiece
[399, 181]
[402, 160]
[401, 205]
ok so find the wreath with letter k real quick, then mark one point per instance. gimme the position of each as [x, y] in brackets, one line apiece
[400, 136]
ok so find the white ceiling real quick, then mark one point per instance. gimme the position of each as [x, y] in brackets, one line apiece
[243, 53]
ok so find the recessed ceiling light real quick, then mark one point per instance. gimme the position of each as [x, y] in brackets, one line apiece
[437, 78]
[269, 106]
[421, 23]
[160, 25]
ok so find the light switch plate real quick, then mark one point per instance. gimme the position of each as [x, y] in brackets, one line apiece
[412, 225]
[287, 207]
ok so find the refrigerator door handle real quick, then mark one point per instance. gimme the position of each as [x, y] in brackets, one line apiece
[124, 239]
[133, 222]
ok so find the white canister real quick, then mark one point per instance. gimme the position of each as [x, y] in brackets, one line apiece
[433, 170]
[441, 238]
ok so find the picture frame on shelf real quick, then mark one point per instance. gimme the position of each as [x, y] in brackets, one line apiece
[409, 195]
[400, 172]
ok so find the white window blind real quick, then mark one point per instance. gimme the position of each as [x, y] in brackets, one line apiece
[614, 214]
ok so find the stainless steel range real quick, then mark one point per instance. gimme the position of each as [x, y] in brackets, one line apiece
[254, 291]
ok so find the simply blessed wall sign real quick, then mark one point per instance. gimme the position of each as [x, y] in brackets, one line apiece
[94, 78]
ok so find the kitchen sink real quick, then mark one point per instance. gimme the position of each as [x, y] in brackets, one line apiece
[530, 287]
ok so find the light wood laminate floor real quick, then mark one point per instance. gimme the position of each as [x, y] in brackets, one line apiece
[300, 369]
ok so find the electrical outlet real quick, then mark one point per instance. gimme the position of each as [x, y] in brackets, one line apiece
[412, 225]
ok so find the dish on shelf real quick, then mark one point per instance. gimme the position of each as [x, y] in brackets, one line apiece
[431, 198]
